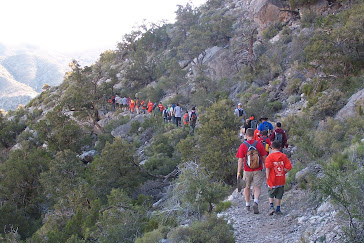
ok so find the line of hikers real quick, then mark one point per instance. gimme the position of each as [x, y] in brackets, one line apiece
[262, 148]
[171, 114]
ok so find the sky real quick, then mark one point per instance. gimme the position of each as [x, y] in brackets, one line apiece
[79, 25]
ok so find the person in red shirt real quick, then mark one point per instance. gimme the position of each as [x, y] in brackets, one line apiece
[277, 165]
[265, 140]
[252, 177]
[150, 106]
[161, 107]
[279, 135]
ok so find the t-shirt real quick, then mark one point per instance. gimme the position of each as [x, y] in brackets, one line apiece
[277, 162]
[161, 107]
[264, 124]
[243, 149]
[177, 111]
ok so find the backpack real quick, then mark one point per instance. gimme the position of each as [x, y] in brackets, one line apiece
[241, 112]
[253, 124]
[252, 156]
[278, 137]
[265, 144]
[193, 117]
[165, 113]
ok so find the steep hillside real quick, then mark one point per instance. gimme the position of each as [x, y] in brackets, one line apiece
[74, 168]
[32, 67]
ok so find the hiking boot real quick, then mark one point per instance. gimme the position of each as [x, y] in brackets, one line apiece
[247, 208]
[278, 212]
[241, 184]
[255, 208]
[271, 211]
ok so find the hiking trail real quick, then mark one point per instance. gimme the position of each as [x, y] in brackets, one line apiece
[300, 221]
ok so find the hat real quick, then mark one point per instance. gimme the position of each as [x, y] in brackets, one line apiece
[239, 104]
[264, 118]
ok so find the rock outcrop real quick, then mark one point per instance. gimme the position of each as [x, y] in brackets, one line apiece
[355, 106]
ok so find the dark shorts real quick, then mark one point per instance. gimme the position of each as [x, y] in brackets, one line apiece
[276, 192]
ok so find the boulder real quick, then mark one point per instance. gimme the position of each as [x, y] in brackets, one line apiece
[355, 104]
[266, 12]
[123, 130]
[88, 156]
[219, 62]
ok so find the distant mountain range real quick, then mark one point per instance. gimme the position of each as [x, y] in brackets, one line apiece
[25, 69]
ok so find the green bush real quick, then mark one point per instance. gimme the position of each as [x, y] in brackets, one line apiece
[213, 229]
[272, 30]
[223, 206]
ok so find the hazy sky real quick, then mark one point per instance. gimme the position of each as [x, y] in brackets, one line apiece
[70, 25]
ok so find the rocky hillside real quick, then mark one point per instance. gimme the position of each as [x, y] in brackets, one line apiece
[74, 169]
[25, 69]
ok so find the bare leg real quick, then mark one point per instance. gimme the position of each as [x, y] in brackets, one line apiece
[247, 194]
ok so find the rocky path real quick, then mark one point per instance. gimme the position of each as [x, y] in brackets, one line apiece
[301, 221]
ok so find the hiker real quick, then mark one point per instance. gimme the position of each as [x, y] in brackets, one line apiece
[155, 110]
[118, 101]
[150, 106]
[165, 114]
[264, 139]
[239, 112]
[256, 134]
[132, 105]
[265, 125]
[193, 119]
[279, 135]
[171, 113]
[161, 107]
[137, 105]
[125, 103]
[253, 122]
[113, 103]
[144, 106]
[251, 156]
[243, 129]
[277, 165]
[186, 120]
[178, 114]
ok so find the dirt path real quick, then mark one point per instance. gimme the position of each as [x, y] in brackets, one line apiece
[250, 227]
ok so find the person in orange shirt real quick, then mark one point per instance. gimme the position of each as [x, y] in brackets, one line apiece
[256, 135]
[277, 165]
[150, 106]
[137, 105]
[144, 106]
[132, 106]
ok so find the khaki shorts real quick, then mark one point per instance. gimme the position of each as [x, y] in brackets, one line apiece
[254, 178]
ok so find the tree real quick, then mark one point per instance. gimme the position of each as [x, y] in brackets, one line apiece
[20, 189]
[115, 168]
[59, 132]
[219, 141]
[84, 94]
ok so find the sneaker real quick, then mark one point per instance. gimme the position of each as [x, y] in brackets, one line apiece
[255, 208]
[247, 208]
[278, 212]
[271, 211]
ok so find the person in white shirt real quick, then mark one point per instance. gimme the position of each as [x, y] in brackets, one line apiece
[178, 114]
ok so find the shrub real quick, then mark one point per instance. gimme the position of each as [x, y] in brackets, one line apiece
[222, 206]
[213, 229]
[272, 30]
[309, 17]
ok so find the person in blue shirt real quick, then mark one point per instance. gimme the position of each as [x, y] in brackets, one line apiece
[265, 125]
